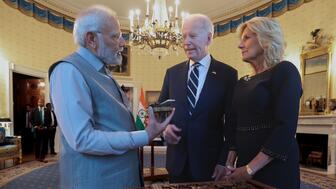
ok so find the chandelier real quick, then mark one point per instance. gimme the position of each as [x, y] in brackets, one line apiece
[161, 33]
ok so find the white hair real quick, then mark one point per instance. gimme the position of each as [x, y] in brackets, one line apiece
[207, 24]
[270, 37]
[91, 19]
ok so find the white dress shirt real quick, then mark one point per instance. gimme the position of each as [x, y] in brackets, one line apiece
[71, 99]
[28, 120]
[41, 111]
[52, 118]
[202, 70]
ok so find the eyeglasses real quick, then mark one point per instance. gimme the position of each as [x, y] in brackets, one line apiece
[113, 36]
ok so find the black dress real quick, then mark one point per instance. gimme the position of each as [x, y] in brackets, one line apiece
[264, 118]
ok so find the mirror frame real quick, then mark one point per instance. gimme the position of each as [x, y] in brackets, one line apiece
[308, 54]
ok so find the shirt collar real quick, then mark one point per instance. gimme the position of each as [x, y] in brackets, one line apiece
[205, 61]
[90, 58]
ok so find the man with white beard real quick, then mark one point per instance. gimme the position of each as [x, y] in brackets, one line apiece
[99, 144]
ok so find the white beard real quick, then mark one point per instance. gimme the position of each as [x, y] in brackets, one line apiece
[107, 55]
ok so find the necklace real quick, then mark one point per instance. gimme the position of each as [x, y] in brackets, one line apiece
[247, 78]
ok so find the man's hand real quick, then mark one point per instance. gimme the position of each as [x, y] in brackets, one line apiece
[172, 134]
[155, 128]
[220, 172]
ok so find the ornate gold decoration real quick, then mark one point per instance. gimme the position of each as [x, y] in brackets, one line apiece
[319, 39]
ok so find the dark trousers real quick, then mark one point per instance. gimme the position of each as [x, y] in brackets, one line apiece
[41, 143]
[51, 139]
[27, 141]
[188, 176]
[185, 175]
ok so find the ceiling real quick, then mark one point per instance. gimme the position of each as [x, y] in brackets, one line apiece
[217, 10]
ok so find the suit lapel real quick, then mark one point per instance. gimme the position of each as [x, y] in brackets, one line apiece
[209, 85]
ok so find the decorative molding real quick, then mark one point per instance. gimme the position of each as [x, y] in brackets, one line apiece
[60, 7]
[15, 68]
[271, 9]
[43, 13]
[223, 13]
[57, 19]
[319, 39]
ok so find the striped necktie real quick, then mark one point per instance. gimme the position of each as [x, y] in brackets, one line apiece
[192, 87]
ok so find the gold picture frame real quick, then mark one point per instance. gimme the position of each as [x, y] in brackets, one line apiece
[316, 78]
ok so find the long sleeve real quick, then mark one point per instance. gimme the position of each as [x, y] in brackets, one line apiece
[229, 120]
[74, 111]
[286, 93]
[230, 133]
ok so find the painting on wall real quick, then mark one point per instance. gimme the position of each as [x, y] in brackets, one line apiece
[124, 68]
[152, 97]
[316, 64]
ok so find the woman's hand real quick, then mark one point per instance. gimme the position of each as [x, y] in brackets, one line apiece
[221, 172]
[239, 174]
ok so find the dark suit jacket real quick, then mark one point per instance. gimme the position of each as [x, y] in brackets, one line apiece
[202, 142]
[36, 118]
[47, 118]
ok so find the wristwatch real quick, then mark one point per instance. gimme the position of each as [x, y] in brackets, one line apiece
[249, 170]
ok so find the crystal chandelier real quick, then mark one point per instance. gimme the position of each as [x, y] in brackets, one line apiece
[159, 35]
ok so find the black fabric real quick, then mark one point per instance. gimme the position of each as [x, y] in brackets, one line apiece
[51, 139]
[184, 176]
[41, 143]
[51, 129]
[41, 134]
[48, 119]
[202, 139]
[265, 114]
[36, 118]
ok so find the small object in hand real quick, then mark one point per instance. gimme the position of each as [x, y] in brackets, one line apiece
[163, 110]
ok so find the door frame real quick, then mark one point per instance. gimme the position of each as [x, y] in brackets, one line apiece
[15, 68]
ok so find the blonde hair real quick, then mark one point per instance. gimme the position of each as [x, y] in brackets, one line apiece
[270, 37]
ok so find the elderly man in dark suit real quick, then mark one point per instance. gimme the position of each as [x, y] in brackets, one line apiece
[202, 89]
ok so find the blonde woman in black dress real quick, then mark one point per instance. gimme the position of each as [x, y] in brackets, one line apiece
[261, 133]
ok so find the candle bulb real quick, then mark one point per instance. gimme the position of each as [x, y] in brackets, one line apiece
[147, 11]
[131, 15]
[177, 2]
[170, 10]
